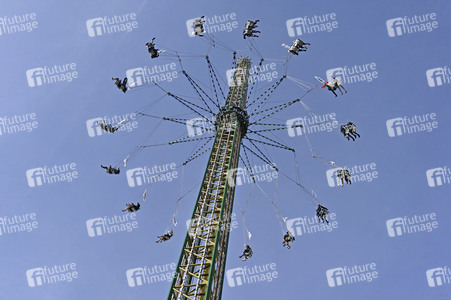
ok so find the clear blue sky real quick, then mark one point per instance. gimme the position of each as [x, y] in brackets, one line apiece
[37, 36]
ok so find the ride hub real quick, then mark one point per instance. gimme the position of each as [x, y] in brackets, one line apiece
[241, 116]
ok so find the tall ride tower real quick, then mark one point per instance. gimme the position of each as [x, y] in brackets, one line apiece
[200, 270]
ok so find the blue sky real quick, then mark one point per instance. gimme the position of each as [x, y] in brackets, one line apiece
[412, 79]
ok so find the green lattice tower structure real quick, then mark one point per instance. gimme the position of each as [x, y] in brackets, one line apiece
[200, 270]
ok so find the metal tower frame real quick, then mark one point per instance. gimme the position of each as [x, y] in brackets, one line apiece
[200, 270]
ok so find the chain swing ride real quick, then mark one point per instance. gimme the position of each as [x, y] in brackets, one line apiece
[236, 121]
